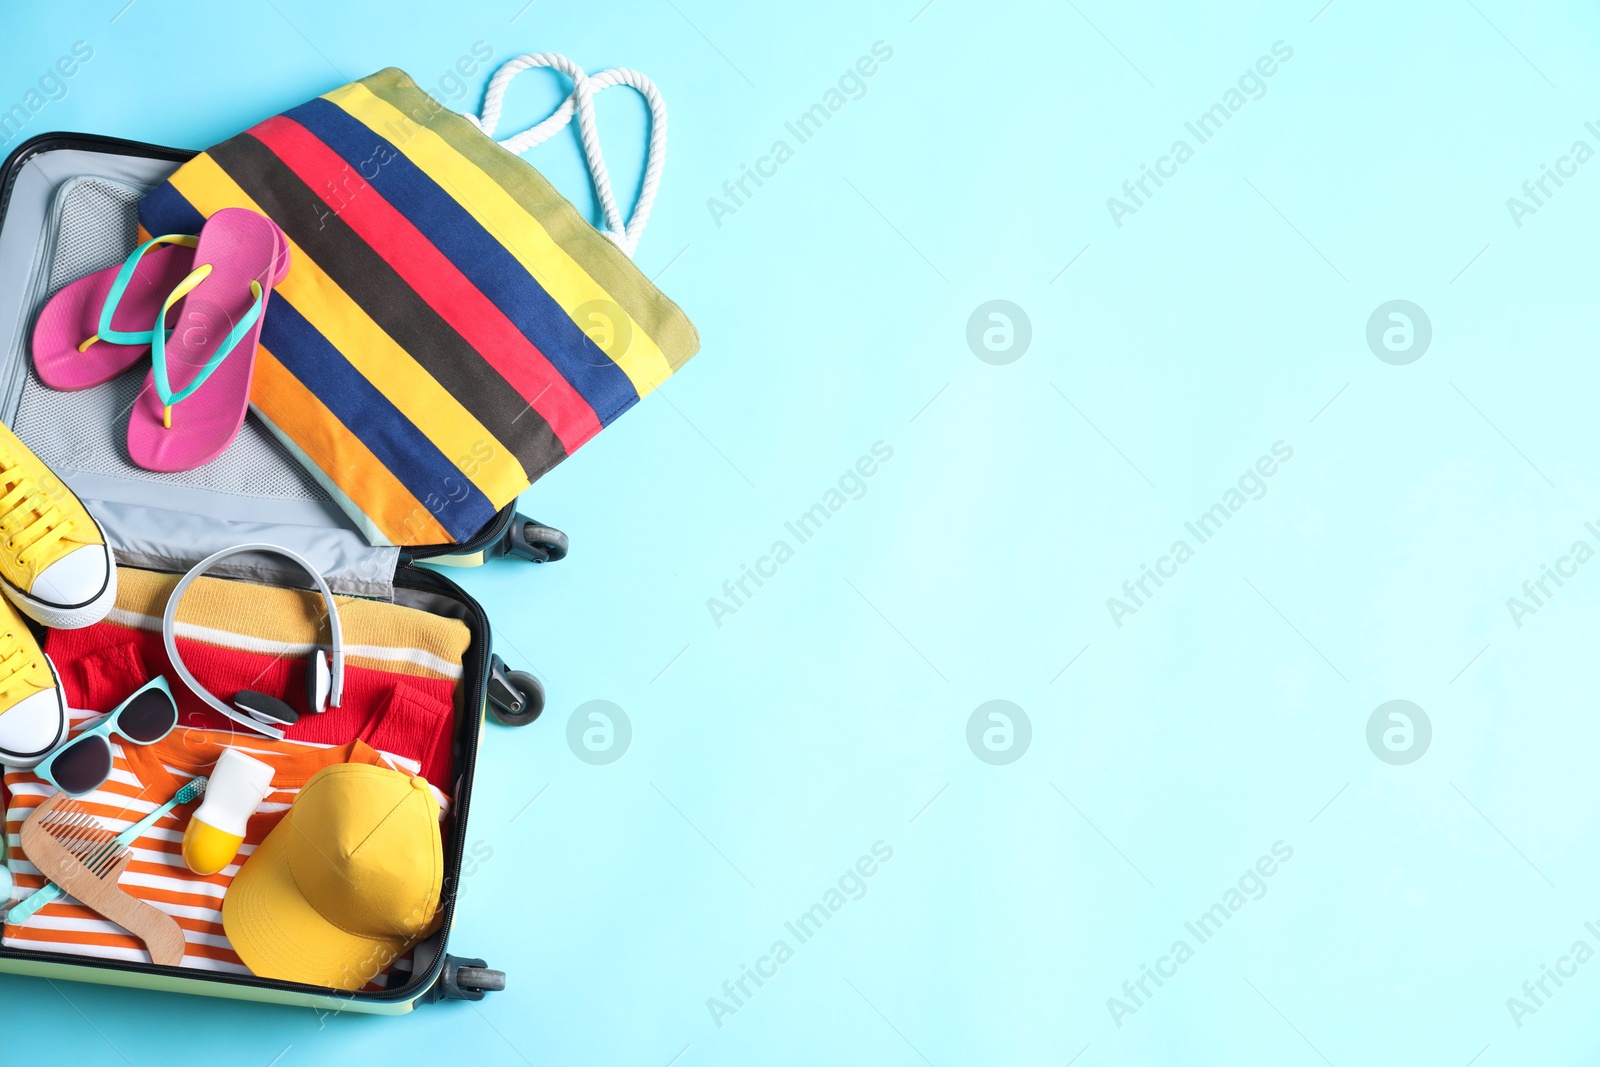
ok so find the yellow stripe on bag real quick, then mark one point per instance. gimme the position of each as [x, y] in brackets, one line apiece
[497, 211]
[426, 403]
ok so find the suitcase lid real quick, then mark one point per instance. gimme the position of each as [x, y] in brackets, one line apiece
[67, 208]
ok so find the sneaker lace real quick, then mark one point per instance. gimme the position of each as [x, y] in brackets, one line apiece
[14, 663]
[33, 521]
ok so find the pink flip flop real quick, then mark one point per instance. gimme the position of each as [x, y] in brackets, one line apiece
[100, 325]
[197, 393]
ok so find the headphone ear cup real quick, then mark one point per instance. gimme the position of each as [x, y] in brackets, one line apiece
[269, 711]
[319, 681]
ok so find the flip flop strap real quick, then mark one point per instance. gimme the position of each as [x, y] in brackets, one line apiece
[119, 285]
[158, 345]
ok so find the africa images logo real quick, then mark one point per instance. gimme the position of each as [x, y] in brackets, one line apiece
[999, 332]
[1399, 732]
[1137, 192]
[1399, 332]
[1251, 885]
[1251, 485]
[852, 484]
[851, 85]
[851, 885]
[999, 732]
[599, 732]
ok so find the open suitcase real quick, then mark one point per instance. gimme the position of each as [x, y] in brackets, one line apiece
[67, 207]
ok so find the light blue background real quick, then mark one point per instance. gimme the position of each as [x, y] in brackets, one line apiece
[830, 712]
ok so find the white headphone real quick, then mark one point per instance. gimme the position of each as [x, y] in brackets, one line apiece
[264, 714]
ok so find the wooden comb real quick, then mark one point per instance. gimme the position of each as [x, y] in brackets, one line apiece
[72, 849]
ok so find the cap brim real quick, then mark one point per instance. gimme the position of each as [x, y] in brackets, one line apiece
[279, 935]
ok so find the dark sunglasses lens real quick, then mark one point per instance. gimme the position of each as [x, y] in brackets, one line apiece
[148, 717]
[83, 765]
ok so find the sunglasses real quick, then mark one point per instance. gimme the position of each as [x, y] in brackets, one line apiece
[83, 764]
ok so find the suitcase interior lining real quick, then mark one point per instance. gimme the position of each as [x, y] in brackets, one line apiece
[94, 227]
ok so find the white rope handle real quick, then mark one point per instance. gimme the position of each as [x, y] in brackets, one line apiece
[581, 102]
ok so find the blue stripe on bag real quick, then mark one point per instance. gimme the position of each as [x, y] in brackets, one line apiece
[164, 210]
[410, 456]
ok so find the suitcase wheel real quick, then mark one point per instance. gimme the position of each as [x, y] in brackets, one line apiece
[515, 697]
[534, 541]
[480, 980]
[464, 979]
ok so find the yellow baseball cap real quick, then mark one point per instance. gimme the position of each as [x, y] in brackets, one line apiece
[345, 884]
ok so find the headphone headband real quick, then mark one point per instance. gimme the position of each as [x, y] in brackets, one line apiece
[169, 621]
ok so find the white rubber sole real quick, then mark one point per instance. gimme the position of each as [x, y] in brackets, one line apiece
[67, 618]
[27, 760]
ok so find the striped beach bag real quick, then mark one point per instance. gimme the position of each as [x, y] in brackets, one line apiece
[450, 328]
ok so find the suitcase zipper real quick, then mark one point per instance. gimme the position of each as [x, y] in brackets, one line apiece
[474, 704]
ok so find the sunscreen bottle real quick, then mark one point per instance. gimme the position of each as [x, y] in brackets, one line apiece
[239, 783]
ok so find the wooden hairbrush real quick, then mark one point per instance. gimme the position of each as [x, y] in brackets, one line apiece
[72, 849]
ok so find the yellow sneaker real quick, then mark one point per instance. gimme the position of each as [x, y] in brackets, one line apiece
[54, 563]
[33, 712]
